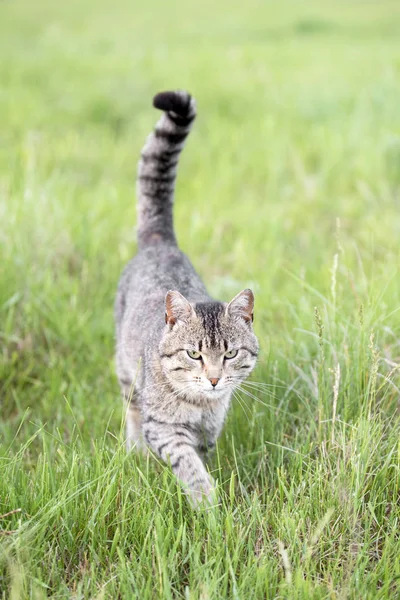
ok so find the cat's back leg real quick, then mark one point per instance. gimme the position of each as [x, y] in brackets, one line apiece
[133, 415]
[134, 435]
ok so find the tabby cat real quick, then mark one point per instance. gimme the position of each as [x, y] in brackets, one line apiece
[180, 354]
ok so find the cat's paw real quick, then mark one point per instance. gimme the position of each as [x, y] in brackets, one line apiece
[203, 494]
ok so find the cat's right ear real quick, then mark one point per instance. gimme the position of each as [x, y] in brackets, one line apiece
[177, 308]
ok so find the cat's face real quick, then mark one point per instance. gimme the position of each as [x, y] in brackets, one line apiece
[208, 349]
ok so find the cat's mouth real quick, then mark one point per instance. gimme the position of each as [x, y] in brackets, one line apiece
[214, 393]
[196, 391]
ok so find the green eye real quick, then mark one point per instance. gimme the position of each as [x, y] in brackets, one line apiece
[194, 354]
[231, 354]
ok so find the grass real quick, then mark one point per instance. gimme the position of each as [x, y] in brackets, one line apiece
[290, 183]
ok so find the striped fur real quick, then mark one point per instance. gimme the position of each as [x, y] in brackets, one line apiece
[158, 166]
[180, 354]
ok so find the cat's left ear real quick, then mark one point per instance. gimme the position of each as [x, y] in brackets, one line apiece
[242, 306]
[177, 308]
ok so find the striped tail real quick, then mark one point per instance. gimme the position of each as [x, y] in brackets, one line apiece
[158, 165]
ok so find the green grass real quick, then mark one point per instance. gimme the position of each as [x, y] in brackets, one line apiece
[290, 183]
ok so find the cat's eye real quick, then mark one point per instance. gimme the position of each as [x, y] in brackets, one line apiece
[194, 354]
[231, 354]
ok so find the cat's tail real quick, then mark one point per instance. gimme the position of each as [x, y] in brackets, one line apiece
[158, 165]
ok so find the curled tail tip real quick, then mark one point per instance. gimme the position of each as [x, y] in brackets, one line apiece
[179, 102]
[158, 166]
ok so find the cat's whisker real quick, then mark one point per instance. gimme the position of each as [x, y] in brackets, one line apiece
[241, 403]
[247, 392]
[262, 383]
[252, 397]
[256, 388]
[261, 391]
[258, 391]
[177, 393]
[242, 400]
[259, 383]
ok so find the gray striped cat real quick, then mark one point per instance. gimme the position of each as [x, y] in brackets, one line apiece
[180, 354]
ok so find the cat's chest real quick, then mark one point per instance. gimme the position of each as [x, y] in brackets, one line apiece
[212, 420]
[209, 420]
[202, 422]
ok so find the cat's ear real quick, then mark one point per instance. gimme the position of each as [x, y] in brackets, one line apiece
[177, 308]
[242, 306]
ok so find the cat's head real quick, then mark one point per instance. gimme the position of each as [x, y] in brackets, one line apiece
[207, 349]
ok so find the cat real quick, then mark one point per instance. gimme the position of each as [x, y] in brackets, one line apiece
[179, 353]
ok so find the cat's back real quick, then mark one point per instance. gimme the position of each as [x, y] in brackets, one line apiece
[140, 302]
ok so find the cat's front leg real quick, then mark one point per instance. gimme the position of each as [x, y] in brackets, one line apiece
[190, 470]
[176, 445]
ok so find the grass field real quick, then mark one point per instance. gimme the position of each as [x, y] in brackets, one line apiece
[289, 184]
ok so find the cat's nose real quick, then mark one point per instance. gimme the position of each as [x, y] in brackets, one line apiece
[214, 381]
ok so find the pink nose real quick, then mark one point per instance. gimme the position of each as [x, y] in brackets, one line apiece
[214, 381]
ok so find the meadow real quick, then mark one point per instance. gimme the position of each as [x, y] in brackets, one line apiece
[289, 184]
